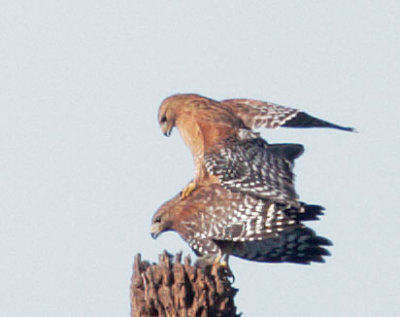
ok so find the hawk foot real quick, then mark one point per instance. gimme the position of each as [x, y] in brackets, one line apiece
[222, 270]
[188, 189]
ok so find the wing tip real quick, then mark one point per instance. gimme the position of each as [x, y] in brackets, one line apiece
[304, 120]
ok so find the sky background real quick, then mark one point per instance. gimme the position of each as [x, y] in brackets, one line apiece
[83, 164]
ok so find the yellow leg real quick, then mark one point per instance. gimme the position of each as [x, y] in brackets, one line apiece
[216, 265]
[188, 189]
[218, 260]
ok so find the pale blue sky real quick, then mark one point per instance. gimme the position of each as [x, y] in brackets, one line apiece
[84, 165]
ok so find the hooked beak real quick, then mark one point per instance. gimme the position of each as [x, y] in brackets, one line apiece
[154, 232]
[166, 128]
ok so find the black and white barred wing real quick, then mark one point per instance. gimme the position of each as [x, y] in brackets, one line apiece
[258, 114]
[265, 231]
[253, 167]
[250, 219]
[256, 219]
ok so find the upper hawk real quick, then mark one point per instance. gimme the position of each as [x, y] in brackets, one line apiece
[228, 152]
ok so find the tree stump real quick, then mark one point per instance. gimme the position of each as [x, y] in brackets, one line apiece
[173, 289]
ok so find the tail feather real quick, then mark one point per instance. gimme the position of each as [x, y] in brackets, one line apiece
[290, 151]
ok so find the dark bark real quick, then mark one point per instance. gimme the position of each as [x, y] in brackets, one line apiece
[171, 288]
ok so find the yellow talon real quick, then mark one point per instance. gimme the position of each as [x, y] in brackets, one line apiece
[188, 189]
[221, 266]
[221, 260]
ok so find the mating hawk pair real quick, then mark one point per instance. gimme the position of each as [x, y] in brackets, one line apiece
[242, 200]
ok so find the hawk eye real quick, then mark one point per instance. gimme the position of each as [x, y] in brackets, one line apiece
[158, 219]
[163, 119]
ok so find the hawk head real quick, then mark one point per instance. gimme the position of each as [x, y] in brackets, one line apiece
[163, 219]
[177, 107]
[167, 114]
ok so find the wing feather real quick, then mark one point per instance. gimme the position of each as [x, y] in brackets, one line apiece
[254, 167]
[258, 114]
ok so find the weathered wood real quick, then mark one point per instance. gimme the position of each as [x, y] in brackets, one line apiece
[171, 289]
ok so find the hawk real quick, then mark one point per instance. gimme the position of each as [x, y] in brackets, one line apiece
[225, 149]
[217, 222]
